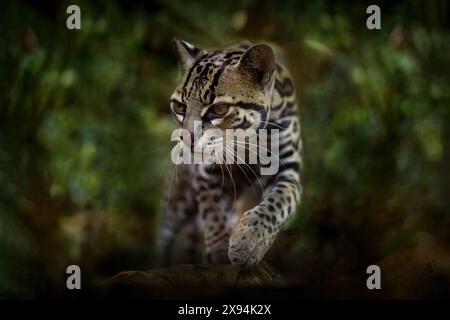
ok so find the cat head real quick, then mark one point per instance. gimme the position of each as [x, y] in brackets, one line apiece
[223, 89]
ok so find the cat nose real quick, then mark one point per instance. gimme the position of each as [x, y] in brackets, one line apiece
[188, 142]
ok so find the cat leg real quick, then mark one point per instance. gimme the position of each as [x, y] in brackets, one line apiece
[193, 244]
[179, 207]
[216, 213]
[258, 227]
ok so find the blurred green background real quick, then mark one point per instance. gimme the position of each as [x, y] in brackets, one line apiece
[85, 127]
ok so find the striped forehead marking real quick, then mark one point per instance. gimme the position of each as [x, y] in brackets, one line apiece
[203, 77]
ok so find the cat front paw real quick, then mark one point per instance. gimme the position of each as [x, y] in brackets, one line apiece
[248, 243]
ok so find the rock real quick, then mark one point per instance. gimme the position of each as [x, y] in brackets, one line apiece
[187, 281]
[419, 271]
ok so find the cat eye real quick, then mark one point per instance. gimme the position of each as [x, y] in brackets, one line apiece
[220, 109]
[178, 107]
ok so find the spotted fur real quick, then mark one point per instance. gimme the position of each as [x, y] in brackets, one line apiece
[243, 86]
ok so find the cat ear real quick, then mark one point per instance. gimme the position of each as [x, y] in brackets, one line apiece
[187, 52]
[258, 61]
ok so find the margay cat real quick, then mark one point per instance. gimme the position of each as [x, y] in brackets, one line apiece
[242, 86]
